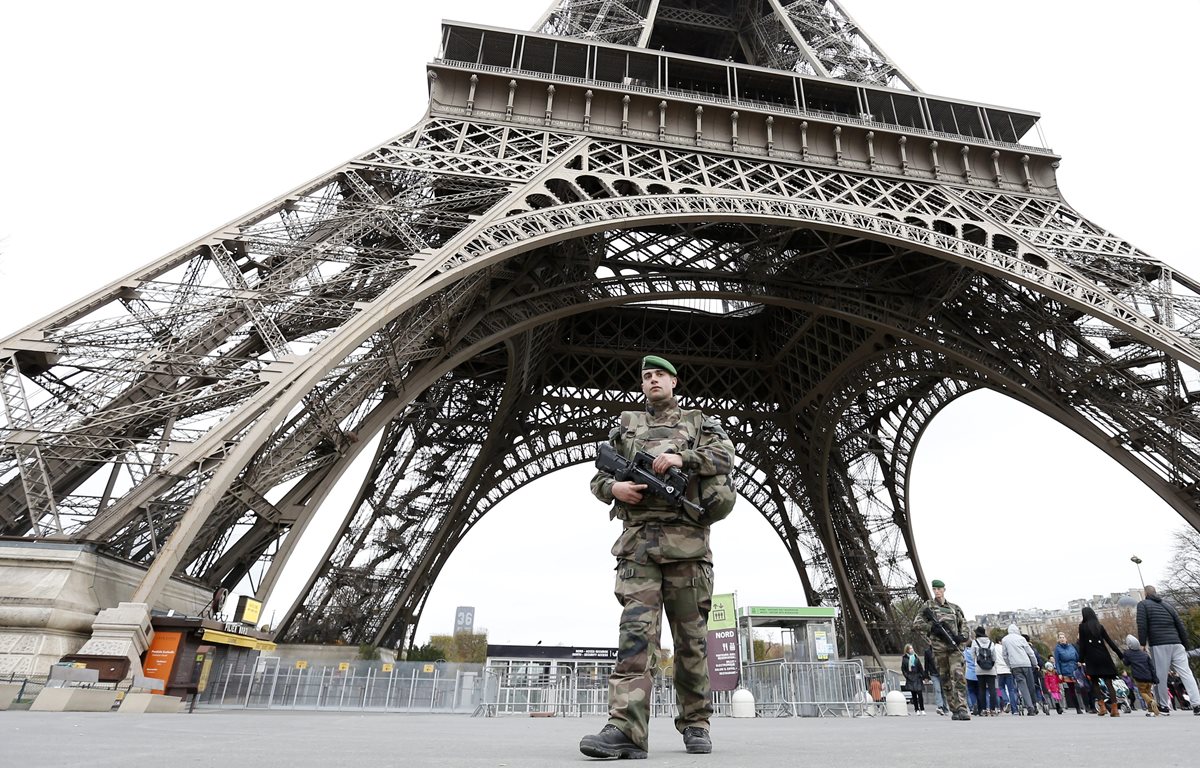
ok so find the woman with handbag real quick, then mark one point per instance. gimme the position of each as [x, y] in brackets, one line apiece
[1097, 663]
[1066, 658]
[914, 678]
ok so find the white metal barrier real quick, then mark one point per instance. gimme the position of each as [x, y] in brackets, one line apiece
[781, 689]
[808, 689]
[403, 687]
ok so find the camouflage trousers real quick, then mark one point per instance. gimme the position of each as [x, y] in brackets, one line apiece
[684, 590]
[953, 671]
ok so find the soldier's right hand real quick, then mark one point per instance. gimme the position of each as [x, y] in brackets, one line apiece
[628, 491]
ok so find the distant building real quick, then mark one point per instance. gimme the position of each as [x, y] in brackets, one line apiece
[1039, 621]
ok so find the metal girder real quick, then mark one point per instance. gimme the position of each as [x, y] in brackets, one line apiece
[814, 36]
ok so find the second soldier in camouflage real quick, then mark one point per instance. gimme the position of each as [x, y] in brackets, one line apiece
[946, 626]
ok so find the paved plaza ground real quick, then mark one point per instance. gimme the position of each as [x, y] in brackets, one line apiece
[321, 740]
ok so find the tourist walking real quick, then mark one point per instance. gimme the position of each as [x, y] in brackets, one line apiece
[1141, 671]
[985, 652]
[1006, 686]
[1018, 653]
[914, 678]
[1066, 658]
[1162, 633]
[972, 680]
[935, 679]
[1097, 663]
[1053, 686]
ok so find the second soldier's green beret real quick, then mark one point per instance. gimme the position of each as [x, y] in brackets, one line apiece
[654, 361]
[938, 584]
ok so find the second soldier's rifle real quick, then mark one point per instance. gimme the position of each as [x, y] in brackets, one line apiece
[670, 486]
[945, 633]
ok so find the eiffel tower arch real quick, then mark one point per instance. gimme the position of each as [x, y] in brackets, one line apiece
[753, 189]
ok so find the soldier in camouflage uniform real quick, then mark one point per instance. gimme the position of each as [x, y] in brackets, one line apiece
[947, 647]
[663, 562]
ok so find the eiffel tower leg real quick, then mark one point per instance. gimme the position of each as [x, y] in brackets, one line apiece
[270, 406]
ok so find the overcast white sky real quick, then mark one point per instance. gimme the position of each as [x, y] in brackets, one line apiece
[131, 128]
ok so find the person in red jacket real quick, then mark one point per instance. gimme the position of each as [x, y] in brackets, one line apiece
[1053, 685]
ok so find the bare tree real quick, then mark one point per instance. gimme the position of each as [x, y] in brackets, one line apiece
[1182, 580]
[1118, 623]
[904, 613]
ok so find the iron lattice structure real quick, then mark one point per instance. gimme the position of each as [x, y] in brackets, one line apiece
[750, 188]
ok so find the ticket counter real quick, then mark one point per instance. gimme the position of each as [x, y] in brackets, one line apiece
[185, 650]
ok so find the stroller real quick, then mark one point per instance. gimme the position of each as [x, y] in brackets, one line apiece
[1122, 694]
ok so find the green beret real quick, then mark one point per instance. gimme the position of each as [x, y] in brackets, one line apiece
[654, 361]
[939, 584]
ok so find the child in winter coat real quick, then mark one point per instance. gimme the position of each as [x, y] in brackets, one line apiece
[1054, 686]
[1141, 669]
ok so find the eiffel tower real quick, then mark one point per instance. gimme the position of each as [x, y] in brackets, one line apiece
[754, 189]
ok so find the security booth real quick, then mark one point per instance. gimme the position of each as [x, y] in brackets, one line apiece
[809, 680]
[190, 654]
[808, 633]
[546, 679]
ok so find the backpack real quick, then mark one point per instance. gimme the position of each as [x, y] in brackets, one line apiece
[715, 492]
[985, 657]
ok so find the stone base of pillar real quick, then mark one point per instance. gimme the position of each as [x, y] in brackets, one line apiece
[50, 593]
[121, 632]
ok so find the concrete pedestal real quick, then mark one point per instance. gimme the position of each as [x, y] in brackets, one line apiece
[8, 694]
[74, 700]
[150, 703]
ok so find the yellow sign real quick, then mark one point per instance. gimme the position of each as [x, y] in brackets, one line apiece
[429, 668]
[301, 664]
[79, 665]
[205, 669]
[345, 665]
[387, 667]
[228, 638]
[248, 610]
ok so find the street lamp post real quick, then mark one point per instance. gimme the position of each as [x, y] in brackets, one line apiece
[1138, 562]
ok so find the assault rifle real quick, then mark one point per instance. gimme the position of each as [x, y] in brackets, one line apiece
[955, 640]
[670, 486]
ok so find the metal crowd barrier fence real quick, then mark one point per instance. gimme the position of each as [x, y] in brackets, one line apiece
[363, 685]
[781, 689]
[30, 686]
[565, 690]
[809, 689]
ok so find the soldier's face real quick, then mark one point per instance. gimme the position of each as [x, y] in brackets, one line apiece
[939, 594]
[658, 385]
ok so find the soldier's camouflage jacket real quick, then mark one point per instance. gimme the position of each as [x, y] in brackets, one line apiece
[666, 429]
[948, 615]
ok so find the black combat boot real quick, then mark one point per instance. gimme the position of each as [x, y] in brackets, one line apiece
[696, 740]
[611, 742]
[962, 714]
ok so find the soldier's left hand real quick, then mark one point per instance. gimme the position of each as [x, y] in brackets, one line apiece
[664, 461]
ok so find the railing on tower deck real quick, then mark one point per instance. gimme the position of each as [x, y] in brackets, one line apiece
[742, 102]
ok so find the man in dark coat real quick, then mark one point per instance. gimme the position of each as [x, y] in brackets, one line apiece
[1162, 634]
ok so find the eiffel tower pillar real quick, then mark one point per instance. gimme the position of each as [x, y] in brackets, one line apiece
[755, 190]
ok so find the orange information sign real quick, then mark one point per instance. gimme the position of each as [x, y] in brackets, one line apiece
[160, 656]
